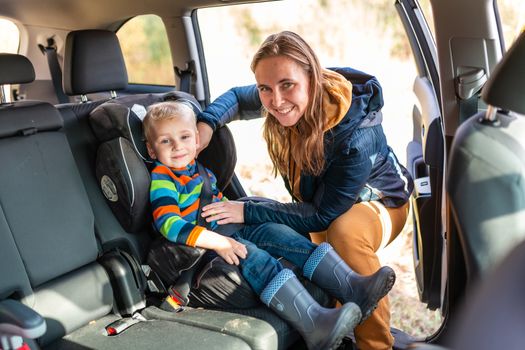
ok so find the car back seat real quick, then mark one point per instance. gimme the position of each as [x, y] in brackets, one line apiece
[84, 145]
[50, 256]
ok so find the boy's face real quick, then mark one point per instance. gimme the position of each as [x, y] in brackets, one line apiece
[173, 142]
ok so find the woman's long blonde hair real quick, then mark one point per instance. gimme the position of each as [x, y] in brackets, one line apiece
[303, 142]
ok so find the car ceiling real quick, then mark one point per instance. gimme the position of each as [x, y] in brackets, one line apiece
[101, 14]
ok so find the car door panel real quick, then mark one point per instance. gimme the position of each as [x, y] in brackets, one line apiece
[425, 157]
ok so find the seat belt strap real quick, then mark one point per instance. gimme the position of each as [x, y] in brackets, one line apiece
[468, 84]
[468, 107]
[185, 76]
[50, 51]
[206, 194]
[179, 292]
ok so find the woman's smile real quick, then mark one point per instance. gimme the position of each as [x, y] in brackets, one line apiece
[283, 88]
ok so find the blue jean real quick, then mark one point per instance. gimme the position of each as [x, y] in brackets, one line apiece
[266, 241]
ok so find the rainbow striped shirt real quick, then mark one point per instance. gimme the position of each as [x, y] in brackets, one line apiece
[175, 197]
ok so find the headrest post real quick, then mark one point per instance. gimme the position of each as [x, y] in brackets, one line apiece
[3, 98]
[491, 114]
[113, 94]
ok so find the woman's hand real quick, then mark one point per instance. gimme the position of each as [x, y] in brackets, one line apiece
[205, 134]
[227, 212]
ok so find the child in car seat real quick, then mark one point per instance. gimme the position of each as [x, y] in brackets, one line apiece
[172, 139]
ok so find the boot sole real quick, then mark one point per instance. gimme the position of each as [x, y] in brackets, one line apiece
[383, 286]
[347, 322]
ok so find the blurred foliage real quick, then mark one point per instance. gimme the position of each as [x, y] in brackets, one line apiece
[146, 51]
[253, 32]
[512, 14]
[381, 17]
[323, 3]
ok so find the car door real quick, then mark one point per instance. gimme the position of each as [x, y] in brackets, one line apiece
[425, 157]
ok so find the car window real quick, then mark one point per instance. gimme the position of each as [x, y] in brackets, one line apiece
[10, 38]
[364, 35]
[512, 16]
[146, 51]
[9, 42]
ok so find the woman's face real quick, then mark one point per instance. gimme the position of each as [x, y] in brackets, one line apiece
[283, 88]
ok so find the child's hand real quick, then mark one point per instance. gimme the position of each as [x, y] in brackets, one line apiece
[232, 251]
[225, 212]
[227, 248]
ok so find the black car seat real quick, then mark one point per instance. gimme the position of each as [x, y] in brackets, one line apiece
[96, 54]
[17, 321]
[52, 262]
[486, 170]
[94, 64]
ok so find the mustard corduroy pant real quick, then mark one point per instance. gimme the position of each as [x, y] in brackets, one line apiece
[356, 236]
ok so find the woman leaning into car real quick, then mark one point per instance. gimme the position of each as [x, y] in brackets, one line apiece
[324, 135]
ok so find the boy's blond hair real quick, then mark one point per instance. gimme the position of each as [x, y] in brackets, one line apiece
[166, 110]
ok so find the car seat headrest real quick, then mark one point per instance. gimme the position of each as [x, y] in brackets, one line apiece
[15, 69]
[123, 117]
[506, 86]
[113, 120]
[120, 168]
[93, 62]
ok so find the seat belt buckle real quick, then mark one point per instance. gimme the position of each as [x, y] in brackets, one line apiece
[24, 347]
[119, 326]
[171, 304]
[174, 301]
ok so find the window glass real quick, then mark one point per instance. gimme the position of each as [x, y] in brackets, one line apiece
[366, 35]
[146, 51]
[426, 8]
[512, 15]
[9, 37]
[9, 42]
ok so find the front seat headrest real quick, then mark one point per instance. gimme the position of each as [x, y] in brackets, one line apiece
[93, 62]
[506, 86]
